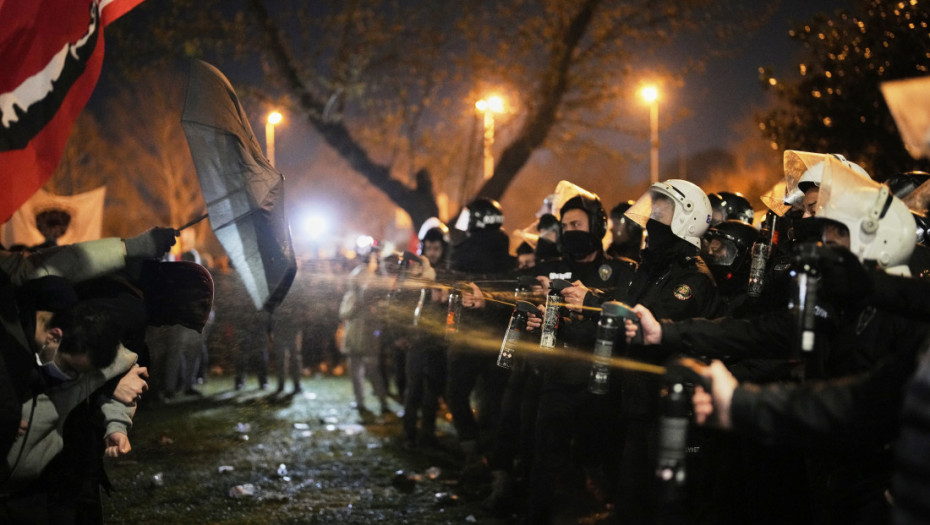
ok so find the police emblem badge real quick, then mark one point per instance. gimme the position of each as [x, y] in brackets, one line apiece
[605, 271]
[683, 292]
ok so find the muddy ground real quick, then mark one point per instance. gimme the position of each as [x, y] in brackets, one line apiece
[256, 457]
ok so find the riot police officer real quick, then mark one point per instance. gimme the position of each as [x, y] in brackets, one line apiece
[673, 280]
[426, 356]
[847, 480]
[567, 411]
[483, 253]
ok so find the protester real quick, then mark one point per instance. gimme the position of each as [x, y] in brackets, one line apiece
[360, 343]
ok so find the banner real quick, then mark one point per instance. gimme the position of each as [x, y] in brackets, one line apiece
[82, 214]
[52, 54]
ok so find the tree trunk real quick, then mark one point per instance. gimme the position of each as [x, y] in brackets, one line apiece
[539, 123]
[419, 202]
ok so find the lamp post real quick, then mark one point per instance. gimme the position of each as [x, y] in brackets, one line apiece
[489, 106]
[650, 94]
[273, 119]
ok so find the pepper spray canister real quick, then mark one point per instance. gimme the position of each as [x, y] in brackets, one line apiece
[514, 334]
[608, 329]
[551, 318]
[454, 313]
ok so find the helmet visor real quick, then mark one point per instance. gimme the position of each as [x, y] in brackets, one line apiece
[847, 196]
[719, 251]
[776, 199]
[565, 191]
[652, 205]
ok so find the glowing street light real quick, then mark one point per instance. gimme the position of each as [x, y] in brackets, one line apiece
[650, 94]
[273, 118]
[489, 107]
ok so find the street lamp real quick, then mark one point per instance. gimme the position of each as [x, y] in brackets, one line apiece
[650, 94]
[489, 107]
[273, 119]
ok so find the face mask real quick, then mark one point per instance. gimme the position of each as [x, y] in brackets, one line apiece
[52, 371]
[579, 244]
[806, 230]
[546, 249]
[660, 235]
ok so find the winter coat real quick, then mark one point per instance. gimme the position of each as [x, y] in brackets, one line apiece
[46, 415]
[356, 313]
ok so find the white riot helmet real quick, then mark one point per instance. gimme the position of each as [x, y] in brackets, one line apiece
[881, 227]
[804, 169]
[690, 215]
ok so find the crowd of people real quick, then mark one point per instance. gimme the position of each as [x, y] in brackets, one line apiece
[795, 321]
[571, 369]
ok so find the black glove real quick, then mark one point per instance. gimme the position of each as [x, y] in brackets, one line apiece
[153, 244]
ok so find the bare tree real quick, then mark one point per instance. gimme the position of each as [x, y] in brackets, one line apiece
[391, 85]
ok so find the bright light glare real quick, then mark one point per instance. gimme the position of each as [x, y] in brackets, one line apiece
[316, 226]
[494, 104]
[363, 242]
[274, 118]
[649, 93]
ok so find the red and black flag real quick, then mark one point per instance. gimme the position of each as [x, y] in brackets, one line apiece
[52, 54]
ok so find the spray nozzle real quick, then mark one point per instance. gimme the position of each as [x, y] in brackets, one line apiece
[557, 285]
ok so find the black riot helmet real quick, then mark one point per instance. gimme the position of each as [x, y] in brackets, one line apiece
[733, 251]
[480, 214]
[729, 206]
[903, 184]
[923, 228]
[616, 213]
[433, 230]
[597, 218]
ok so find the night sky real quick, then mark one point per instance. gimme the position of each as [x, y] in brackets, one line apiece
[708, 111]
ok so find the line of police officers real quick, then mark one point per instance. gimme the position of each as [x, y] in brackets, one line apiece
[787, 312]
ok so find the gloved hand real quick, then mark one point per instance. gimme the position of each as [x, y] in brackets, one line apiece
[152, 244]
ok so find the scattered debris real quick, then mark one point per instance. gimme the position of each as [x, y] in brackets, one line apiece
[351, 429]
[222, 469]
[445, 498]
[433, 472]
[301, 426]
[243, 428]
[158, 480]
[242, 491]
[403, 482]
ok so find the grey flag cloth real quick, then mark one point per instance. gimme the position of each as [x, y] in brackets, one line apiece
[243, 192]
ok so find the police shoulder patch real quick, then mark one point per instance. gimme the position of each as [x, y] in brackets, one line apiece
[605, 271]
[683, 292]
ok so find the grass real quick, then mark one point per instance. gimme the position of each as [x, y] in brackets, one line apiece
[335, 469]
